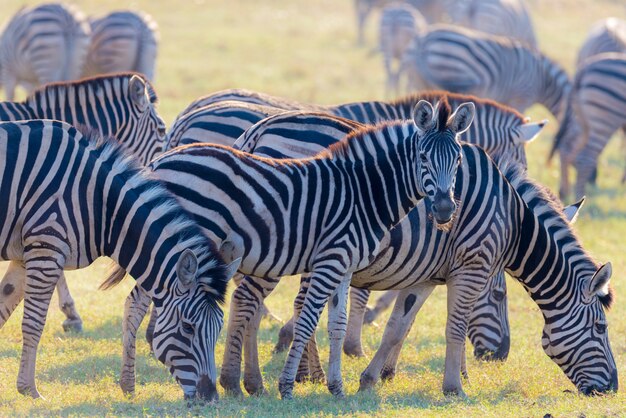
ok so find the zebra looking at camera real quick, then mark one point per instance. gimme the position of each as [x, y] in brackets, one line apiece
[69, 198]
[123, 41]
[470, 62]
[41, 45]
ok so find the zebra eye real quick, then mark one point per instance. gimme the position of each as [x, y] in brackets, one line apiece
[600, 327]
[498, 295]
[423, 157]
[161, 131]
[460, 159]
[187, 328]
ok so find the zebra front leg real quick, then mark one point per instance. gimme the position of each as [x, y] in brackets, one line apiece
[337, 324]
[358, 302]
[285, 335]
[135, 309]
[407, 305]
[326, 281]
[12, 290]
[244, 304]
[43, 269]
[73, 322]
[252, 378]
[382, 303]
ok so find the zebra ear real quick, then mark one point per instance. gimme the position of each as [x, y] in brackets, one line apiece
[599, 284]
[187, 268]
[529, 131]
[232, 268]
[571, 211]
[424, 116]
[462, 118]
[137, 90]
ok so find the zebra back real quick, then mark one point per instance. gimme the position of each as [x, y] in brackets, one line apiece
[608, 35]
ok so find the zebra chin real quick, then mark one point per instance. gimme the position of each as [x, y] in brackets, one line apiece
[500, 354]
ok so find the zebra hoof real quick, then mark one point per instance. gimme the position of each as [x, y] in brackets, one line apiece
[302, 377]
[318, 377]
[454, 391]
[231, 386]
[285, 335]
[353, 349]
[369, 316]
[366, 382]
[73, 325]
[31, 391]
[128, 387]
[336, 388]
[387, 374]
[285, 389]
[254, 387]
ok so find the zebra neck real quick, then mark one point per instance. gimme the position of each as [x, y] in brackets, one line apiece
[555, 88]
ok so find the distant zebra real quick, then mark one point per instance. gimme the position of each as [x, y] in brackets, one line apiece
[508, 18]
[399, 24]
[68, 199]
[465, 61]
[271, 214]
[596, 110]
[608, 35]
[121, 105]
[43, 44]
[528, 235]
[123, 41]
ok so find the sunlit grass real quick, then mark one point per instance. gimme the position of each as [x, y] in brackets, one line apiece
[306, 50]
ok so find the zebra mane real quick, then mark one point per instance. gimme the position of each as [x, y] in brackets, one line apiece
[455, 99]
[91, 82]
[549, 210]
[159, 200]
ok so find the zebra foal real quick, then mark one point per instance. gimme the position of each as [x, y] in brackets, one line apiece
[68, 199]
[43, 44]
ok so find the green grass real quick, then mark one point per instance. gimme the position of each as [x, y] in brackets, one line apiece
[305, 50]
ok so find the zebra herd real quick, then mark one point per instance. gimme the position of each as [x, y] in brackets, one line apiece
[402, 195]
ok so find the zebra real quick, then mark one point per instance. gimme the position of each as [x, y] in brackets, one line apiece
[43, 44]
[122, 105]
[123, 41]
[69, 198]
[596, 110]
[465, 61]
[608, 35]
[218, 123]
[330, 237]
[399, 24]
[535, 244]
[508, 18]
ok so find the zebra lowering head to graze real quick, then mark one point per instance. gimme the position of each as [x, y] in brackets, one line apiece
[123, 41]
[43, 44]
[596, 110]
[272, 214]
[120, 105]
[471, 62]
[69, 199]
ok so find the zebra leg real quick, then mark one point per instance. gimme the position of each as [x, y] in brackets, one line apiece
[245, 302]
[135, 309]
[252, 378]
[150, 328]
[407, 305]
[327, 280]
[67, 306]
[584, 164]
[316, 371]
[337, 324]
[381, 305]
[285, 335]
[358, 301]
[43, 269]
[303, 372]
[12, 290]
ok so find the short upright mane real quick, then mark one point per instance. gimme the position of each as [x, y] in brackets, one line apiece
[108, 150]
[92, 82]
[358, 139]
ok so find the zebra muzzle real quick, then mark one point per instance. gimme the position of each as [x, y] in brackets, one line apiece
[443, 207]
[206, 390]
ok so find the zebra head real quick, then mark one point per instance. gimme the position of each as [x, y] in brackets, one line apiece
[439, 153]
[145, 127]
[577, 338]
[188, 326]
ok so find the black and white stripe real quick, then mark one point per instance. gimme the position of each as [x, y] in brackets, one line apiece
[68, 199]
[43, 44]
[123, 41]
[608, 35]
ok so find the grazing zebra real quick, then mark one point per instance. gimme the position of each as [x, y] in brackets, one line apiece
[523, 231]
[608, 35]
[43, 44]
[508, 18]
[399, 24]
[123, 41]
[69, 199]
[217, 123]
[465, 61]
[271, 214]
[596, 110]
[121, 105]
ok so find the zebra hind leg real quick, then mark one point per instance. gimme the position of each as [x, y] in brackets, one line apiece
[11, 290]
[73, 322]
[252, 378]
[135, 309]
[337, 325]
[358, 302]
[382, 304]
[43, 270]
[285, 335]
[150, 328]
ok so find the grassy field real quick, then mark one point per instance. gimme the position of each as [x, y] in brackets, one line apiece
[306, 50]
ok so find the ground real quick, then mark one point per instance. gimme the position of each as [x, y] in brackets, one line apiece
[306, 50]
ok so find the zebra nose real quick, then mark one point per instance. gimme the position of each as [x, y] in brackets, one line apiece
[614, 384]
[443, 207]
[205, 389]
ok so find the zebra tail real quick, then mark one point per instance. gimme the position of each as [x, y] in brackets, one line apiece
[115, 276]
